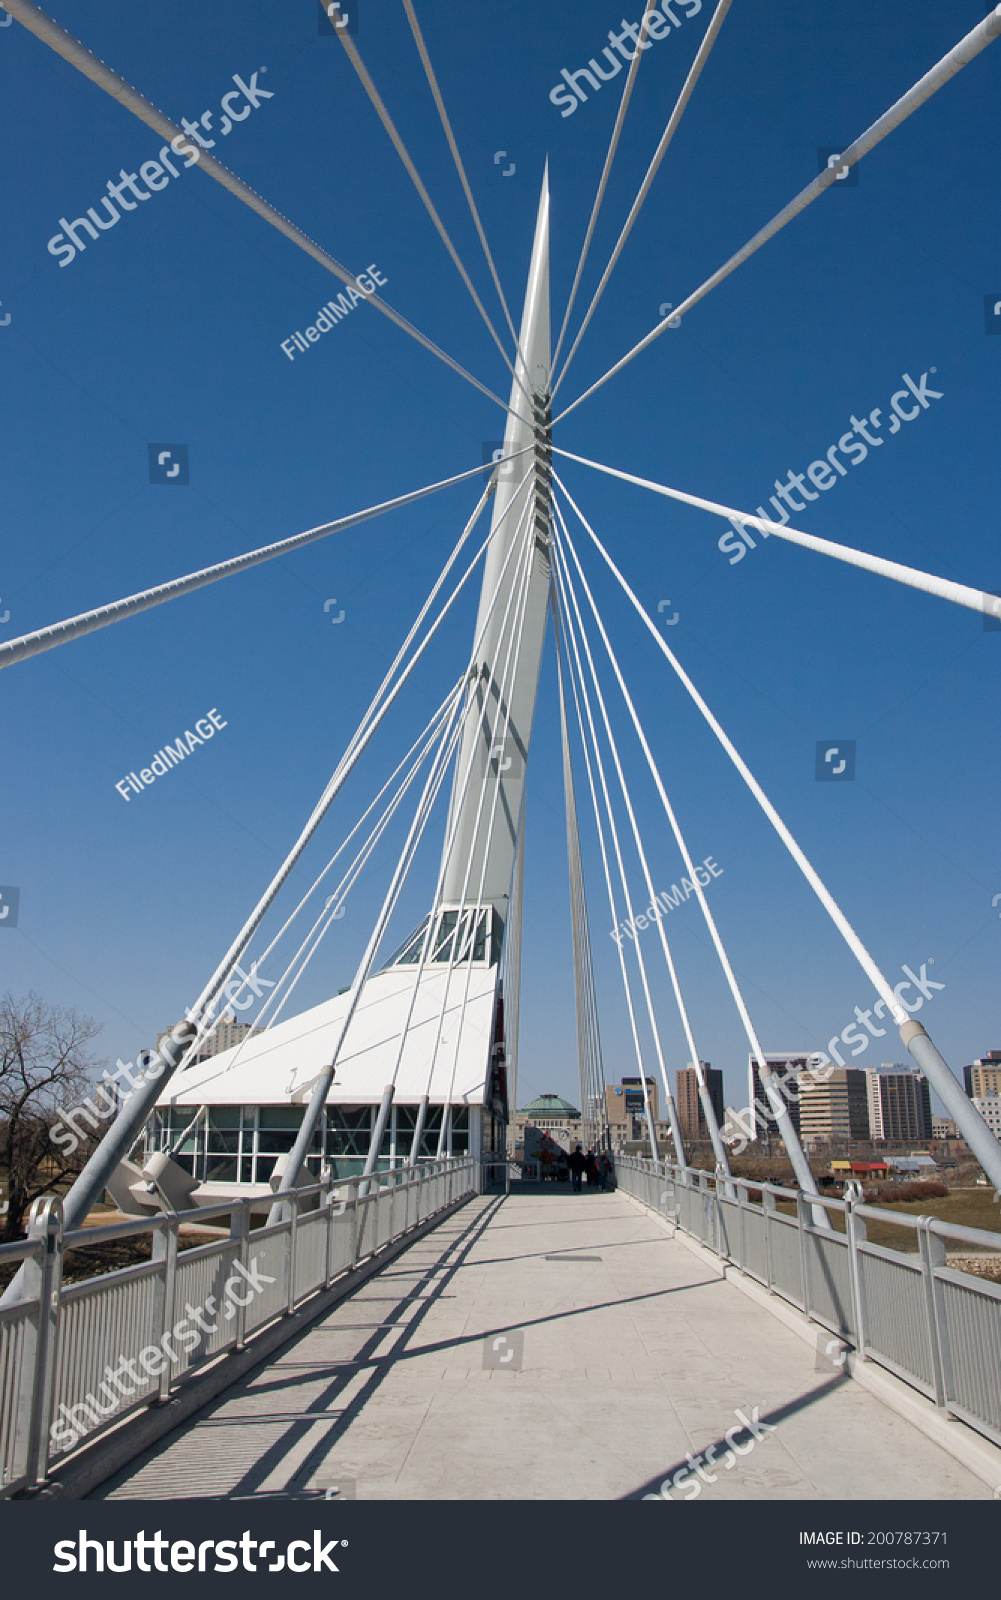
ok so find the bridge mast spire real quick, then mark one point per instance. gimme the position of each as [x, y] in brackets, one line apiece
[496, 744]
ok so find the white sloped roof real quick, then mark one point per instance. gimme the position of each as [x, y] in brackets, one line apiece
[278, 1066]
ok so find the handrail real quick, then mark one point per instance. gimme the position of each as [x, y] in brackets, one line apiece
[51, 1353]
[945, 1347]
[982, 1236]
[21, 1249]
[108, 1233]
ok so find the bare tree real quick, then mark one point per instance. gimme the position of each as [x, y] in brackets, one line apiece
[44, 1071]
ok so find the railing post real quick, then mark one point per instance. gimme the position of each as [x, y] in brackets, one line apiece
[45, 1278]
[741, 1222]
[239, 1232]
[163, 1247]
[359, 1223]
[703, 1209]
[768, 1211]
[332, 1212]
[804, 1263]
[293, 1221]
[933, 1254]
[855, 1231]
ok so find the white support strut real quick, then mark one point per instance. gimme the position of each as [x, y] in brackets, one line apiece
[961, 594]
[32, 644]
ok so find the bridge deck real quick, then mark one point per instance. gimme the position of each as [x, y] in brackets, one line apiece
[630, 1362]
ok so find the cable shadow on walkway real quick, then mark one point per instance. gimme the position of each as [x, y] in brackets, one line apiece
[382, 1365]
[456, 1343]
[345, 1372]
[773, 1418]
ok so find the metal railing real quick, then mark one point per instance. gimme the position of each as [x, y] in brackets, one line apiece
[76, 1360]
[937, 1328]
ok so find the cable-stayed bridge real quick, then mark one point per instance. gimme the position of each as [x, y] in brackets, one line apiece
[387, 1183]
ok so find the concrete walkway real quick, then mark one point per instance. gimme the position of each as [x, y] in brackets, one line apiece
[624, 1357]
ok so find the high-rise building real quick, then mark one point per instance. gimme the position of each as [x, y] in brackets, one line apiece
[984, 1077]
[989, 1106]
[899, 1102]
[228, 1033]
[691, 1116]
[626, 1115]
[833, 1110]
[786, 1068]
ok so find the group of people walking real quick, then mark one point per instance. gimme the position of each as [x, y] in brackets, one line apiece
[596, 1168]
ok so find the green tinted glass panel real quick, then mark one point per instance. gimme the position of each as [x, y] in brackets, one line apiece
[280, 1116]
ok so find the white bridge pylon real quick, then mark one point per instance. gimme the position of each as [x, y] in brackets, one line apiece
[428, 1029]
[497, 742]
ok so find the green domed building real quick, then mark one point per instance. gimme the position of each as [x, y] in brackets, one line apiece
[551, 1114]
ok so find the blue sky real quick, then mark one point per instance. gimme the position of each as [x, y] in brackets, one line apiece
[168, 328]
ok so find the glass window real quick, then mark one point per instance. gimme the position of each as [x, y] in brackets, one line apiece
[460, 1130]
[278, 1128]
[283, 1117]
[432, 1129]
[452, 939]
[225, 1116]
[222, 1144]
[459, 934]
[405, 1118]
[409, 952]
[349, 1130]
[190, 1155]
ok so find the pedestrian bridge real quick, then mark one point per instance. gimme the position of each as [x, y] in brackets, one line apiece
[531, 1345]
